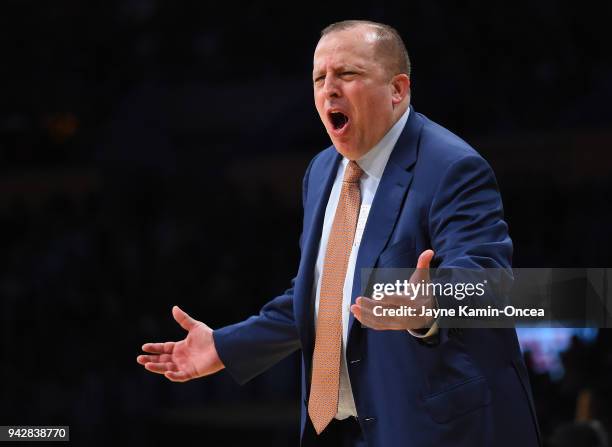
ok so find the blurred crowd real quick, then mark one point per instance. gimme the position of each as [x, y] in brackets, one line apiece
[151, 154]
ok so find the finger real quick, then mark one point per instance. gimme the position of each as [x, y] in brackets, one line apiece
[144, 359]
[161, 368]
[368, 318]
[368, 303]
[416, 302]
[421, 272]
[159, 348]
[382, 322]
[396, 300]
[425, 259]
[183, 319]
[356, 309]
[177, 376]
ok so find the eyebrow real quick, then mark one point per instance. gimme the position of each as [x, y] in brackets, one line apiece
[340, 68]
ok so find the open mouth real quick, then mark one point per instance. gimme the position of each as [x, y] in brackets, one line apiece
[338, 119]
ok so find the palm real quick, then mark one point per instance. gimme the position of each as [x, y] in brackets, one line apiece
[192, 354]
[363, 309]
[193, 357]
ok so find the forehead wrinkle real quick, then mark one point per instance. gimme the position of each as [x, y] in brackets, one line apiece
[358, 47]
[339, 57]
[372, 49]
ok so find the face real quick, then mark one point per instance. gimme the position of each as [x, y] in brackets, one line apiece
[358, 100]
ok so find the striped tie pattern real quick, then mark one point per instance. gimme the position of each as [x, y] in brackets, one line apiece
[324, 389]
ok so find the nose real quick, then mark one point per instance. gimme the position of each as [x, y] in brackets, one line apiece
[331, 87]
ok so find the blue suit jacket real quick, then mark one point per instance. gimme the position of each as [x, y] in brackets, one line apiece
[470, 387]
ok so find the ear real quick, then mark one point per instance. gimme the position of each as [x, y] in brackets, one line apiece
[400, 88]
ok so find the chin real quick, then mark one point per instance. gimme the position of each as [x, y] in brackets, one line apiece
[348, 151]
[344, 147]
[345, 150]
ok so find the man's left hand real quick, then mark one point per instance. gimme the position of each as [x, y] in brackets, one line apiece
[380, 318]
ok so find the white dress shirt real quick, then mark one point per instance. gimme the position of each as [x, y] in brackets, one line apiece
[373, 164]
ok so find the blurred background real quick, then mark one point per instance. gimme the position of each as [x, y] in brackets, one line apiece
[152, 152]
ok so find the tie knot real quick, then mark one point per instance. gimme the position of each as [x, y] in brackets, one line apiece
[353, 172]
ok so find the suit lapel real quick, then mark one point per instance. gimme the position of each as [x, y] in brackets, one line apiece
[320, 185]
[388, 201]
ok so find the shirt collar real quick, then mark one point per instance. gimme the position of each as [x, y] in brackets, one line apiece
[374, 161]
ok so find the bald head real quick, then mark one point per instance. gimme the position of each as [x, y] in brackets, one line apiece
[389, 46]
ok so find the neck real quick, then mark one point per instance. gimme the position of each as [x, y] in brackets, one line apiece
[399, 110]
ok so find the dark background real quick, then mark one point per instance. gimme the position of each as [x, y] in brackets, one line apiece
[151, 154]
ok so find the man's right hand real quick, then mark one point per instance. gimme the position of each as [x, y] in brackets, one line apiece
[193, 357]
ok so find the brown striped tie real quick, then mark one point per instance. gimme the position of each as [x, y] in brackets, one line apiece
[324, 388]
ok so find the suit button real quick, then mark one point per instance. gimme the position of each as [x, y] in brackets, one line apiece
[369, 419]
[355, 362]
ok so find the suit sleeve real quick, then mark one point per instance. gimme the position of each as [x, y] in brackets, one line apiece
[252, 346]
[467, 229]
[466, 221]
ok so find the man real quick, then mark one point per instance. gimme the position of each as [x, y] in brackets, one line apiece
[393, 185]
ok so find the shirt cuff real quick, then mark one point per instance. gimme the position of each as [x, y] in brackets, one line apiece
[423, 333]
[433, 330]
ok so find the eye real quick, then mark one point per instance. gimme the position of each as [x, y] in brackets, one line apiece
[319, 78]
[348, 73]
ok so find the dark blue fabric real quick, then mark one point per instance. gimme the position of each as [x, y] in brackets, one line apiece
[467, 388]
[344, 433]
